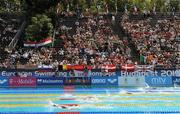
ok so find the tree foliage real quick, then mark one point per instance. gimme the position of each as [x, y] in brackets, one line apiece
[39, 28]
[40, 6]
[161, 5]
[11, 5]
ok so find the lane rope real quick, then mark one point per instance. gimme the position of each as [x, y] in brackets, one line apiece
[59, 99]
[92, 105]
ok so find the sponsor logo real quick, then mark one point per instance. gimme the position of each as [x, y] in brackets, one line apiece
[48, 81]
[22, 81]
[102, 74]
[112, 80]
[158, 80]
[77, 81]
[19, 81]
[3, 81]
[97, 81]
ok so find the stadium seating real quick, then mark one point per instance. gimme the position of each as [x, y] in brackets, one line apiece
[9, 25]
[95, 41]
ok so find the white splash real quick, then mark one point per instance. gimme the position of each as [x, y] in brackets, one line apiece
[123, 92]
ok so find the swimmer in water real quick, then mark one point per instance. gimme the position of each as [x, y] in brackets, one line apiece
[129, 93]
[66, 106]
[84, 98]
[90, 98]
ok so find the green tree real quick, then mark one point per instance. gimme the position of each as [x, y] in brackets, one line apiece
[11, 5]
[40, 6]
[83, 4]
[39, 28]
[121, 5]
[111, 5]
[175, 4]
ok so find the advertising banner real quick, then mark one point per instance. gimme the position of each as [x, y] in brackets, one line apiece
[22, 82]
[176, 81]
[131, 81]
[159, 81]
[63, 74]
[166, 72]
[177, 73]
[138, 73]
[77, 81]
[13, 72]
[151, 73]
[89, 73]
[104, 80]
[50, 81]
[101, 73]
[3, 81]
[44, 73]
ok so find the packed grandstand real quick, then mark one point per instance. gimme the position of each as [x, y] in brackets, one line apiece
[89, 56]
[131, 37]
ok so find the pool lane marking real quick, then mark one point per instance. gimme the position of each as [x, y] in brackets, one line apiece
[83, 90]
[59, 99]
[25, 95]
[88, 105]
[21, 95]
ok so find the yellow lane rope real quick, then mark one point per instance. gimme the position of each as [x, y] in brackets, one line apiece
[57, 99]
[88, 105]
[22, 95]
[139, 94]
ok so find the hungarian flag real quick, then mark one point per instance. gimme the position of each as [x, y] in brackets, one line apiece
[44, 42]
[128, 67]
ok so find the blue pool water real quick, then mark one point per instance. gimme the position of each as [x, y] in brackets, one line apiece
[90, 99]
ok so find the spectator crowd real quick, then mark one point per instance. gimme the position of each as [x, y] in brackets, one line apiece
[9, 26]
[155, 40]
[94, 43]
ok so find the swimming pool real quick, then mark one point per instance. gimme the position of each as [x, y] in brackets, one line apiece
[90, 100]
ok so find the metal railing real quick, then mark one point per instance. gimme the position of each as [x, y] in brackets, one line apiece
[17, 36]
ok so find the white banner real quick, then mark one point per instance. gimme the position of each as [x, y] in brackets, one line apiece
[135, 81]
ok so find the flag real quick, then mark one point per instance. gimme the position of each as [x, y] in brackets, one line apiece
[108, 68]
[135, 9]
[79, 70]
[64, 67]
[144, 67]
[125, 9]
[154, 9]
[43, 42]
[128, 67]
[78, 67]
[142, 59]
